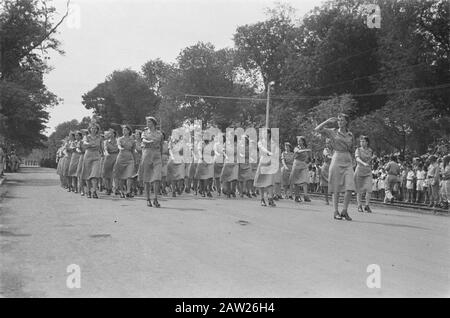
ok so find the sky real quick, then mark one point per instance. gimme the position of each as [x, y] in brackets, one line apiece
[101, 36]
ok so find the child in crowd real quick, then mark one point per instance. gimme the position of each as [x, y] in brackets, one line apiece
[410, 185]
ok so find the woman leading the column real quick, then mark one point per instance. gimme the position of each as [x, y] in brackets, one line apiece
[341, 175]
[363, 173]
[91, 161]
[150, 169]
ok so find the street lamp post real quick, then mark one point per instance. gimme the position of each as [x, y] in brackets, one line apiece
[268, 103]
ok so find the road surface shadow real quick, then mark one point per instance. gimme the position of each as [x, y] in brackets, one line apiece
[395, 225]
[9, 233]
[178, 209]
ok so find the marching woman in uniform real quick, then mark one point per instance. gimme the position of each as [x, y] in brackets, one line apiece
[265, 181]
[287, 161]
[341, 175]
[110, 150]
[68, 149]
[300, 173]
[175, 167]
[205, 170]
[124, 168]
[165, 162]
[151, 162]
[91, 161]
[138, 185]
[60, 160]
[81, 150]
[363, 173]
[219, 159]
[325, 168]
[246, 175]
[73, 167]
[230, 172]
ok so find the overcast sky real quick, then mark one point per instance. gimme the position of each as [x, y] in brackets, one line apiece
[119, 34]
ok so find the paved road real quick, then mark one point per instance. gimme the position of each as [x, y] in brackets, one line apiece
[197, 247]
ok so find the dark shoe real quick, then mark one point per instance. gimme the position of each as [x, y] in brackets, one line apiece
[149, 203]
[360, 208]
[209, 194]
[156, 203]
[94, 195]
[249, 195]
[345, 215]
[307, 199]
[174, 194]
[337, 216]
[89, 195]
[233, 194]
[367, 209]
[263, 202]
[272, 203]
[122, 195]
[275, 197]
[129, 195]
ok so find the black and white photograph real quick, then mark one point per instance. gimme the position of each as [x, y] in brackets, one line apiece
[224, 154]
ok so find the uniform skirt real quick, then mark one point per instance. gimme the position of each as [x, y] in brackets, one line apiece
[263, 180]
[190, 169]
[150, 169]
[363, 183]
[124, 168]
[363, 179]
[59, 167]
[65, 169]
[217, 169]
[175, 171]
[137, 162]
[91, 165]
[204, 171]
[80, 166]
[108, 165]
[341, 175]
[299, 173]
[230, 172]
[285, 176]
[245, 172]
[73, 166]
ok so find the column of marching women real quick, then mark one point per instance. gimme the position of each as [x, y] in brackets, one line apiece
[145, 163]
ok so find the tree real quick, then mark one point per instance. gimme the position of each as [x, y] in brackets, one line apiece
[26, 37]
[124, 97]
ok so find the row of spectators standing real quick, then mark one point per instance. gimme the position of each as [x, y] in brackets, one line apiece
[423, 179]
[9, 160]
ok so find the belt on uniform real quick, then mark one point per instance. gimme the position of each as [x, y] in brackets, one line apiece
[112, 152]
[430, 177]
